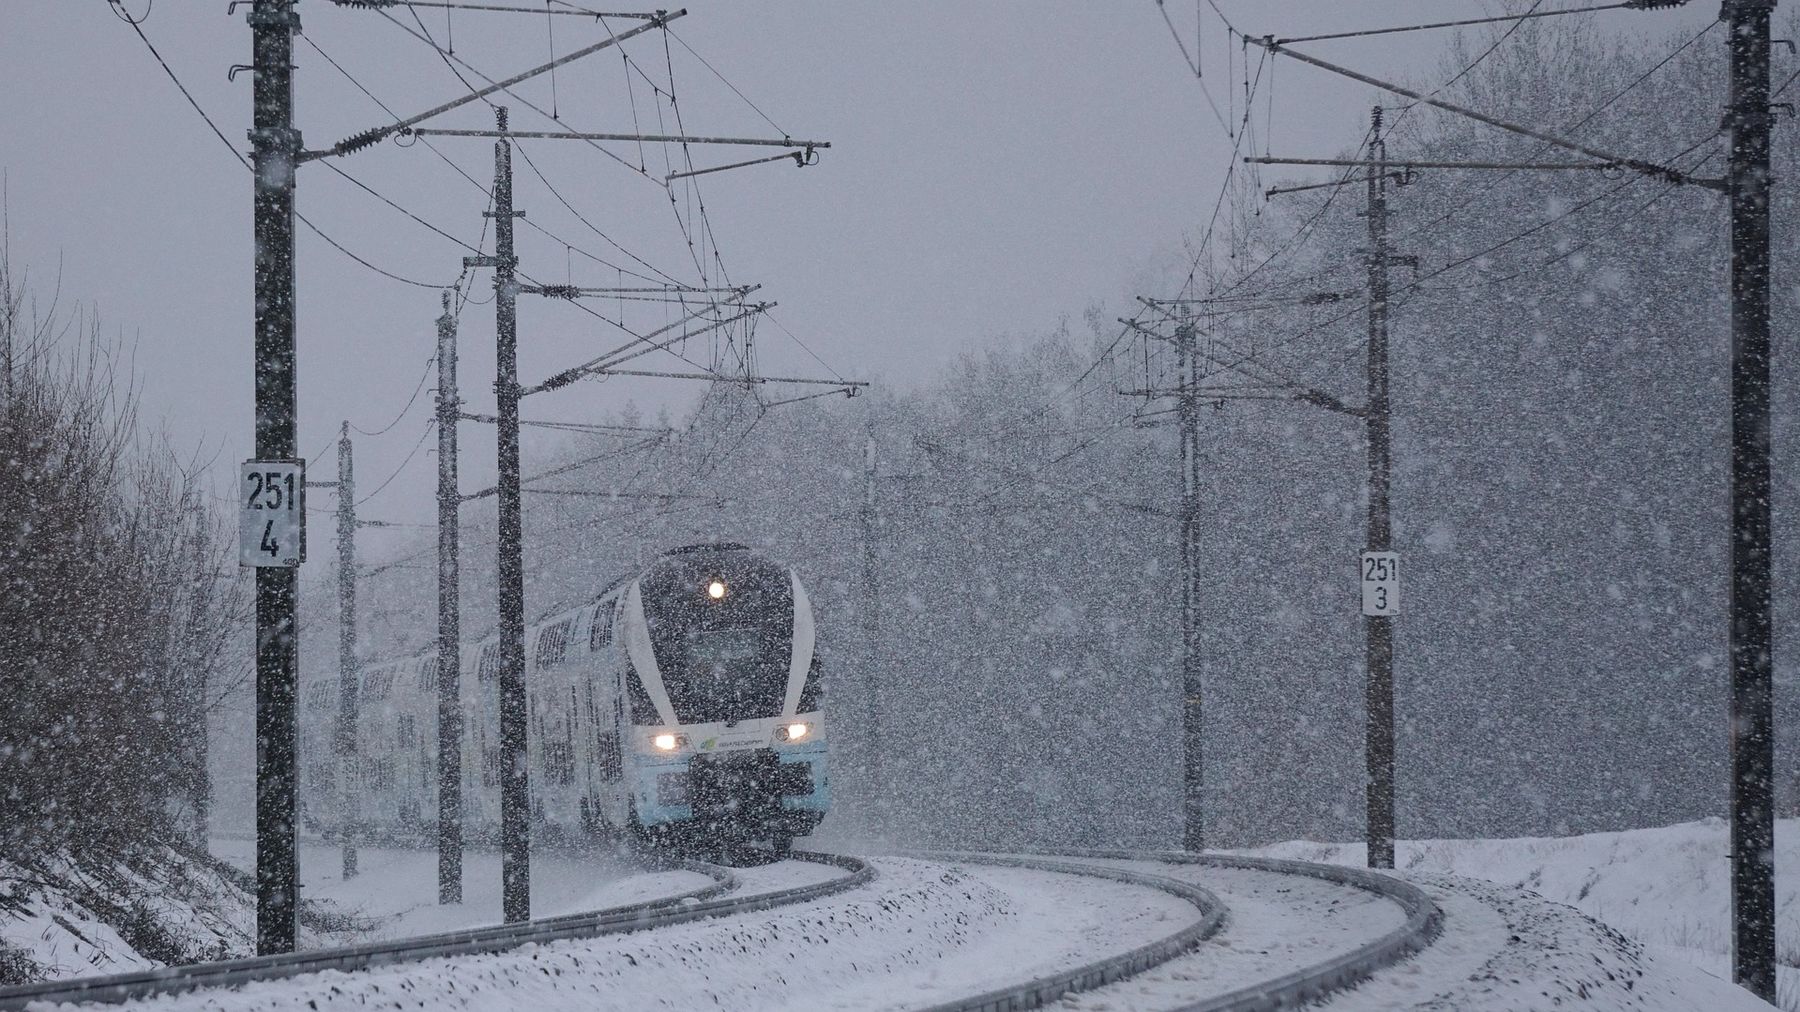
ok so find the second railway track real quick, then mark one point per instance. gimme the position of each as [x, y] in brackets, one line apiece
[1421, 922]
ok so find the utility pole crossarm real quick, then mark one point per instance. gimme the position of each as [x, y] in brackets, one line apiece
[356, 142]
[1664, 172]
[1514, 18]
[1410, 164]
[720, 378]
[1289, 391]
[576, 291]
[607, 361]
[573, 135]
[462, 5]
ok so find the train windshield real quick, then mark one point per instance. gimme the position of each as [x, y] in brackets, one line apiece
[718, 647]
[722, 658]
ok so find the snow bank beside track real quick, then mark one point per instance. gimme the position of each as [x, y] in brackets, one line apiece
[1504, 949]
[1667, 887]
[61, 919]
[922, 932]
[395, 894]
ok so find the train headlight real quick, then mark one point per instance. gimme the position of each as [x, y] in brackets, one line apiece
[666, 742]
[716, 590]
[791, 732]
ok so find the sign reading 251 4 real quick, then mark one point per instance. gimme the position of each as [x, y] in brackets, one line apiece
[272, 513]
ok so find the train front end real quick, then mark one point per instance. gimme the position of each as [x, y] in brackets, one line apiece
[728, 740]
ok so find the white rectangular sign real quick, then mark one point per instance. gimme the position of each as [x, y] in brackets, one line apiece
[1381, 583]
[272, 513]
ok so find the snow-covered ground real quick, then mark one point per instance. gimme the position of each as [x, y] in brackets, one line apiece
[922, 932]
[1649, 933]
[1667, 888]
[394, 894]
[65, 919]
[1277, 924]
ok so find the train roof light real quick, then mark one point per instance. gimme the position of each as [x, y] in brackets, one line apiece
[716, 590]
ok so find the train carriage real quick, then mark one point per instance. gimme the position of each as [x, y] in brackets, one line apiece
[684, 702]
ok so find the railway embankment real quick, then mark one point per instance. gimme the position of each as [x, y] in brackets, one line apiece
[63, 917]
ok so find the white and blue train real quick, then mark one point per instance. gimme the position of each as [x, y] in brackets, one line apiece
[684, 701]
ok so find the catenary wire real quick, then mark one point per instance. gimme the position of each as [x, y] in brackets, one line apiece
[235, 153]
[430, 423]
[410, 401]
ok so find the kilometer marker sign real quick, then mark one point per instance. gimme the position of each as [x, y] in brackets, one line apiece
[272, 513]
[1381, 583]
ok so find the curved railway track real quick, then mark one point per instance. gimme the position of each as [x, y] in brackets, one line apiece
[1420, 925]
[1424, 920]
[696, 904]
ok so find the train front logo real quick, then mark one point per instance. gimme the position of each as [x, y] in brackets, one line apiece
[681, 707]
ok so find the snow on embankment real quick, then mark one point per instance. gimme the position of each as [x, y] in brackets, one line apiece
[1667, 888]
[921, 933]
[61, 919]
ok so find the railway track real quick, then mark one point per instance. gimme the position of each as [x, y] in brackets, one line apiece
[1423, 921]
[714, 900]
[1411, 923]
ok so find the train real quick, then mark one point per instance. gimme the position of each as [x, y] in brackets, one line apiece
[682, 706]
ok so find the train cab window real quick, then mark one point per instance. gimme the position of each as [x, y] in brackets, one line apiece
[726, 646]
[812, 691]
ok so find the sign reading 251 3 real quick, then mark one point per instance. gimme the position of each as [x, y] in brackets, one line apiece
[1380, 583]
[272, 513]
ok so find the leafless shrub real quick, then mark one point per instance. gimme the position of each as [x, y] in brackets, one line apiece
[116, 601]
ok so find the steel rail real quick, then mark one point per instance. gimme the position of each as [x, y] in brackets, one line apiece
[662, 912]
[1424, 921]
[1043, 990]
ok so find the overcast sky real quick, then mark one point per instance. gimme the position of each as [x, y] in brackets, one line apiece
[994, 167]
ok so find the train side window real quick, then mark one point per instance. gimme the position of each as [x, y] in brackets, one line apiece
[603, 627]
[608, 756]
[318, 692]
[559, 761]
[553, 644]
[376, 683]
